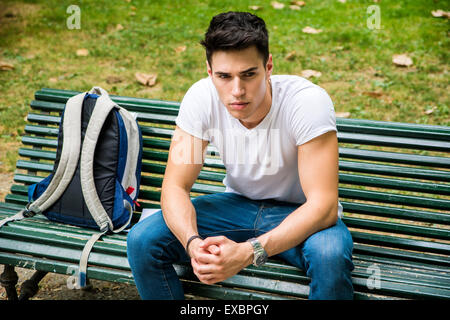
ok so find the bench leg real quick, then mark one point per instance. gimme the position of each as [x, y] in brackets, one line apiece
[31, 286]
[8, 279]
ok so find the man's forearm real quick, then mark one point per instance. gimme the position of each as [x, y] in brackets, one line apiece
[298, 226]
[179, 213]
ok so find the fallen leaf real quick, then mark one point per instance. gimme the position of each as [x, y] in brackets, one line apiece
[113, 79]
[180, 49]
[146, 79]
[402, 60]
[430, 111]
[5, 66]
[119, 27]
[342, 114]
[342, 1]
[373, 94]
[311, 30]
[290, 56]
[82, 52]
[294, 7]
[255, 8]
[440, 13]
[53, 80]
[277, 5]
[308, 73]
[298, 3]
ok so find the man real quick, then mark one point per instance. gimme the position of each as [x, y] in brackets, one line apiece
[277, 138]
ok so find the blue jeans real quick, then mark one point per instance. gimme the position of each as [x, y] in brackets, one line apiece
[325, 256]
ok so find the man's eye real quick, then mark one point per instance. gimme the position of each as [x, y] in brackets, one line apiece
[249, 74]
[223, 76]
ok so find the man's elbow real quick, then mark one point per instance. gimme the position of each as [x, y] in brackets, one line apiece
[331, 216]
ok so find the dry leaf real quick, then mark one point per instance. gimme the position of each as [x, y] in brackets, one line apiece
[402, 60]
[342, 1]
[255, 8]
[311, 30]
[146, 79]
[290, 56]
[430, 111]
[310, 73]
[82, 52]
[180, 49]
[5, 66]
[440, 13]
[373, 94]
[113, 79]
[277, 5]
[119, 27]
[298, 3]
[53, 80]
[342, 114]
[294, 7]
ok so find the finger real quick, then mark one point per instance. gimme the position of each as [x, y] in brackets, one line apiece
[213, 241]
[206, 258]
[213, 249]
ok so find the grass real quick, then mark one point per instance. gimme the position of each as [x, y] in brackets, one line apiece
[354, 60]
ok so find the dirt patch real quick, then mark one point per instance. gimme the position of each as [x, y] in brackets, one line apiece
[6, 180]
[54, 287]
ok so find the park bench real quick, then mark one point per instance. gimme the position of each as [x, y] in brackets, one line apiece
[394, 185]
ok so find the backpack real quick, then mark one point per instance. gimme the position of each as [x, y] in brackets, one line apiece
[96, 176]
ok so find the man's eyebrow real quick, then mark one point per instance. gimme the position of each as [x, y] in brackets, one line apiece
[245, 71]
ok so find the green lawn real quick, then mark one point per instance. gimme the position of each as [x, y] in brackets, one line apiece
[355, 61]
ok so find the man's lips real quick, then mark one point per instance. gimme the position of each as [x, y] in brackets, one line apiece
[239, 105]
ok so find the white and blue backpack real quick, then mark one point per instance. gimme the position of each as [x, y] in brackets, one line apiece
[96, 176]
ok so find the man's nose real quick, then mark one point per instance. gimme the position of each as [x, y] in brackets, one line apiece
[238, 89]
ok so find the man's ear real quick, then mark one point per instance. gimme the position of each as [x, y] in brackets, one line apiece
[269, 66]
[208, 68]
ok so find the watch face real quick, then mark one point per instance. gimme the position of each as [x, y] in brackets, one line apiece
[260, 260]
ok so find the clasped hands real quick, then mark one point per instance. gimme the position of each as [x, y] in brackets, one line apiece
[215, 259]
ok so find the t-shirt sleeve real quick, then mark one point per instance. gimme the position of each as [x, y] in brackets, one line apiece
[312, 115]
[194, 114]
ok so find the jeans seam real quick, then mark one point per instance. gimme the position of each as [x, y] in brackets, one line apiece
[166, 282]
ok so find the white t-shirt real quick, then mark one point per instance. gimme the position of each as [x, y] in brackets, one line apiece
[261, 163]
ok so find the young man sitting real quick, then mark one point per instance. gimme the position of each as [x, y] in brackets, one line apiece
[276, 135]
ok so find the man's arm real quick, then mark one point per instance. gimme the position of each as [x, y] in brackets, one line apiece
[318, 167]
[185, 161]
[318, 172]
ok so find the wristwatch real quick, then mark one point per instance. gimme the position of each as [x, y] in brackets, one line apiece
[259, 254]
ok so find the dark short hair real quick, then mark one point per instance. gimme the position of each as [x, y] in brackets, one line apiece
[236, 31]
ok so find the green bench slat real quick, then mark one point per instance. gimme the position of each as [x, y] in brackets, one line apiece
[385, 197]
[402, 243]
[397, 228]
[406, 185]
[394, 212]
[397, 142]
[397, 171]
[394, 157]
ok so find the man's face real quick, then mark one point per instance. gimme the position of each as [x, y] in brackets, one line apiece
[242, 83]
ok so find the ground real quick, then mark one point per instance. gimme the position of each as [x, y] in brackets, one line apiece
[54, 287]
